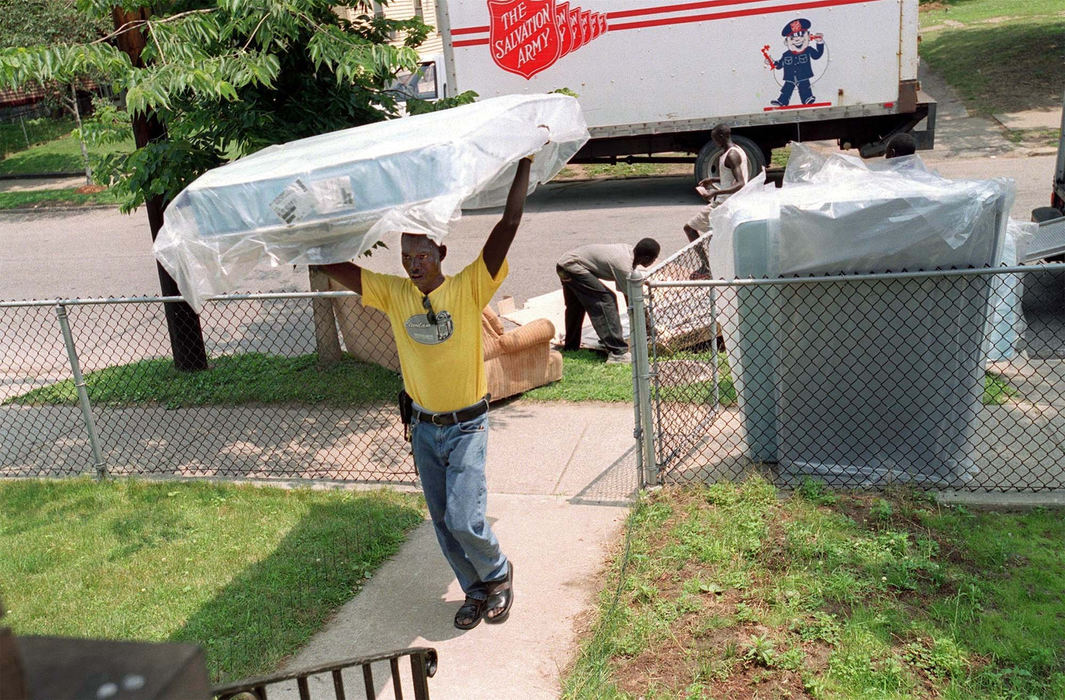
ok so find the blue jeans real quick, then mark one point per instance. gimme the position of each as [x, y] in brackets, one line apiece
[450, 461]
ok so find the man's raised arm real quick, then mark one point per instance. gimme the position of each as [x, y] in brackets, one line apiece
[348, 274]
[498, 243]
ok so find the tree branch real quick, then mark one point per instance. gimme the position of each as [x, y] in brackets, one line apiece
[130, 26]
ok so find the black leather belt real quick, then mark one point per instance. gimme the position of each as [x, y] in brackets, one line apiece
[452, 417]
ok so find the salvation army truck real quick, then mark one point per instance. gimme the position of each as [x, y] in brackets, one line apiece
[654, 76]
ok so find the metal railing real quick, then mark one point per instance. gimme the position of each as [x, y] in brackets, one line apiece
[944, 380]
[328, 680]
[88, 386]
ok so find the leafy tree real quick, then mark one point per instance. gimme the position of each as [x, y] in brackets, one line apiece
[228, 77]
[46, 22]
[208, 80]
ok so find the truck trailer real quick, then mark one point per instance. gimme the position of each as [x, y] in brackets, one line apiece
[653, 78]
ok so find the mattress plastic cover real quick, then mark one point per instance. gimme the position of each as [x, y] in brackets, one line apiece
[330, 198]
[898, 214]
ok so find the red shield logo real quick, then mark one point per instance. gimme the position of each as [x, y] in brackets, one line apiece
[586, 29]
[562, 22]
[602, 23]
[524, 36]
[575, 39]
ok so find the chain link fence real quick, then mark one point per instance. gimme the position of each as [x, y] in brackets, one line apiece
[89, 386]
[943, 380]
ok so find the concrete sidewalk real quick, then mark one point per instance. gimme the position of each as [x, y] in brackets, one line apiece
[559, 477]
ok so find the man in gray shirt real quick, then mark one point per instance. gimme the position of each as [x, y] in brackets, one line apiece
[580, 272]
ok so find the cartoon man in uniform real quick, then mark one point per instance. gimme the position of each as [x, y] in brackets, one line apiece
[796, 61]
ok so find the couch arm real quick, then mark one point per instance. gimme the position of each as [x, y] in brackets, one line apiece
[539, 331]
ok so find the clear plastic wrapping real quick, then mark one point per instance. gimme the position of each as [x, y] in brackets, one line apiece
[888, 376]
[838, 214]
[329, 198]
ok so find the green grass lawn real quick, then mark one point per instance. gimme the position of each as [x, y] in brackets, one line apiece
[59, 155]
[19, 135]
[249, 573]
[270, 379]
[236, 379]
[1000, 55]
[37, 199]
[728, 591]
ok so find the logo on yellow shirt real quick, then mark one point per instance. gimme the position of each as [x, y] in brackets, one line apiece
[421, 331]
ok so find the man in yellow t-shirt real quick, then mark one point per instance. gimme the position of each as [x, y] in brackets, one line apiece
[436, 321]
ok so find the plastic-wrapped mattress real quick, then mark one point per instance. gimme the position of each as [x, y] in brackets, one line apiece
[329, 198]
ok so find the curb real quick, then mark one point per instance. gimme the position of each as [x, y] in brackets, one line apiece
[39, 176]
[67, 210]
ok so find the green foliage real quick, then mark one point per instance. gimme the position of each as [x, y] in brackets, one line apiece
[416, 106]
[228, 77]
[815, 491]
[46, 22]
[997, 390]
[761, 650]
[248, 573]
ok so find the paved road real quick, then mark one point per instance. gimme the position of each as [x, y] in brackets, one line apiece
[104, 253]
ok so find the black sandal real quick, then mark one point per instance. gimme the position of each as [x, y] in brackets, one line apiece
[470, 614]
[500, 598]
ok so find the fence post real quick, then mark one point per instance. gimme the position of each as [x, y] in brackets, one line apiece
[83, 395]
[641, 375]
[325, 326]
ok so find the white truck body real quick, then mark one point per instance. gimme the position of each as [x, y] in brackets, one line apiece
[646, 70]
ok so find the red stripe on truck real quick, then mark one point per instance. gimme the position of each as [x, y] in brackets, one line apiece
[794, 7]
[812, 104]
[735, 13]
[676, 8]
[469, 30]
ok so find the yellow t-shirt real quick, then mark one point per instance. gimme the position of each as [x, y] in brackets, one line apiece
[442, 364]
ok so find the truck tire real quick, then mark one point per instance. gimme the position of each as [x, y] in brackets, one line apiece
[1041, 214]
[706, 162]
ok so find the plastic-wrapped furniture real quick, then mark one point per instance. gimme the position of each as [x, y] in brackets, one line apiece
[851, 381]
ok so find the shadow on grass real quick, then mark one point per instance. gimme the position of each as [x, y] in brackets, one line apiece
[270, 609]
[1006, 67]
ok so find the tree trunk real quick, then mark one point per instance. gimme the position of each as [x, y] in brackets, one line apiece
[186, 336]
[81, 139]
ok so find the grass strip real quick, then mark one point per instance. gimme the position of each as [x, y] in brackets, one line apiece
[249, 573]
[231, 380]
[66, 197]
[730, 591]
[270, 379]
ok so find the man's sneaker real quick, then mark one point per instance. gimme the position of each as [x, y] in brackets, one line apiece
[619, 357]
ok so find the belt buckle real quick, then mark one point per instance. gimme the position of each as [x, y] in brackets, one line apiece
[435, 416]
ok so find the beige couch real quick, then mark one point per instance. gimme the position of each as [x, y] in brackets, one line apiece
[515, 361]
